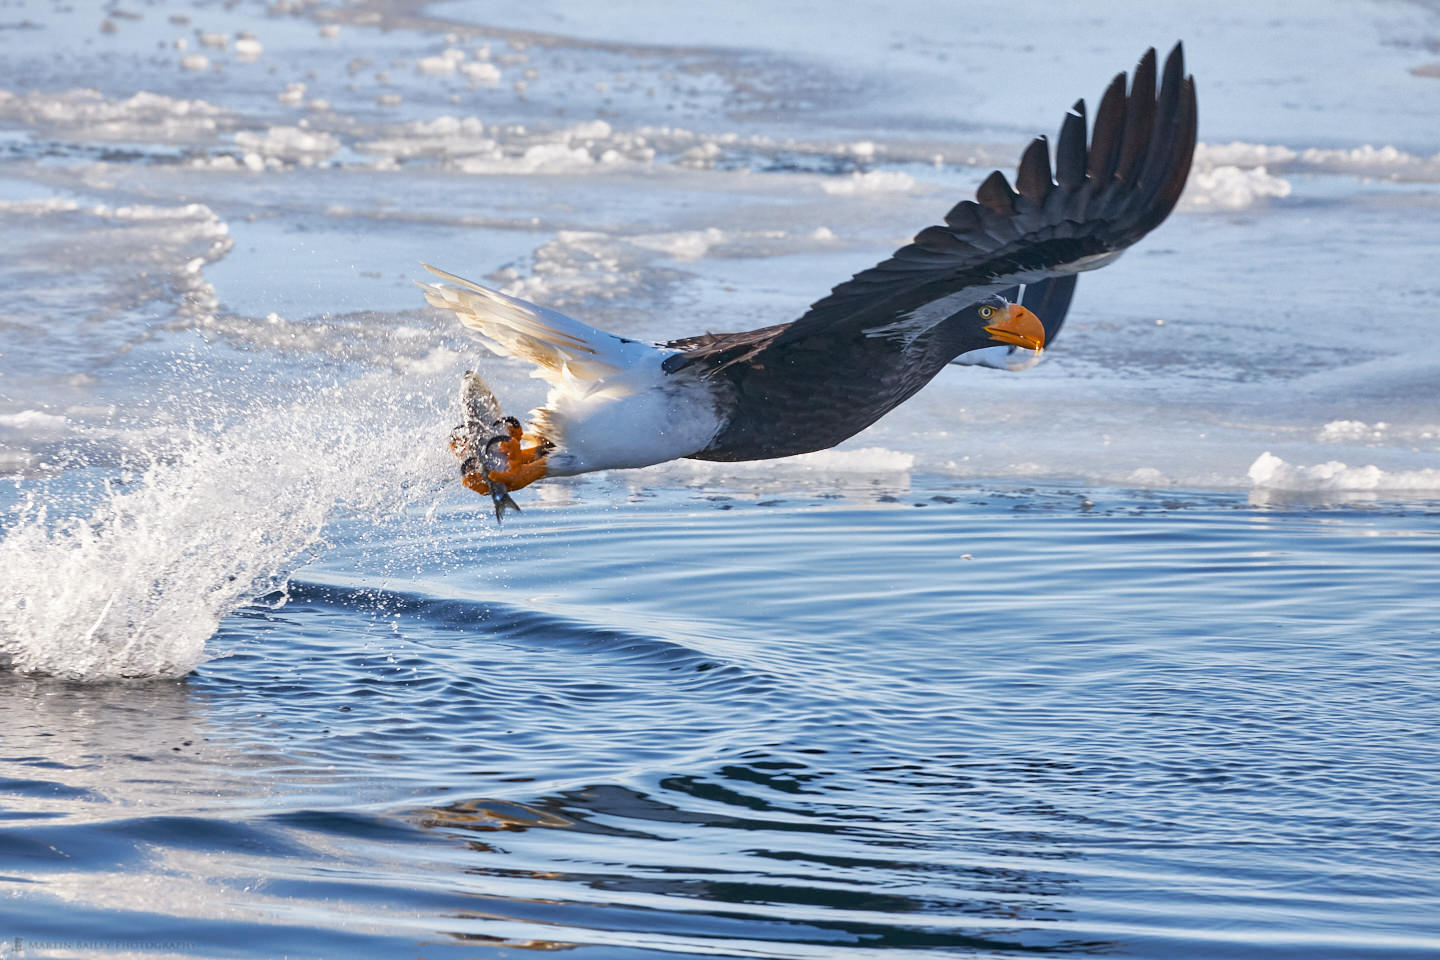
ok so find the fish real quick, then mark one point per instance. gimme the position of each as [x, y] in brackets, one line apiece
[482, 442]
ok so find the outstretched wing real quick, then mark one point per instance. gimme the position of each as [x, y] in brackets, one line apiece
[1097, 200]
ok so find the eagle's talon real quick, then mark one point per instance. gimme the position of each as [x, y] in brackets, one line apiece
[510, 445]
[476, 481]
[520, 475]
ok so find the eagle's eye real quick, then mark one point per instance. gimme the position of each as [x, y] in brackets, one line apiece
[986, 313]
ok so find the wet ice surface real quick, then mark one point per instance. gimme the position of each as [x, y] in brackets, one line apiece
[1129, 653]
[665, 188]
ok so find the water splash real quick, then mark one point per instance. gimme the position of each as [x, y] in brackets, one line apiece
[137, 586]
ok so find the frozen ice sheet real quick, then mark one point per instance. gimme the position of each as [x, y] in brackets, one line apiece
[661, 175]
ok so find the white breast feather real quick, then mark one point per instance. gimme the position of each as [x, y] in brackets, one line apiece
[634, 418]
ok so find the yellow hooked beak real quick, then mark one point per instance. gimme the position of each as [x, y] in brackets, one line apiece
[1020, 328]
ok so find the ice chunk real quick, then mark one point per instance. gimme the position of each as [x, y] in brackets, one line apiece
[444, 63]
[1365, 156]
[1237, 154]
[701, 156]
[1271, 472]
[1231, 188]
[481, 72]
[1349, 431]
[590, 130]
[33, 423]
[435, 65]
[248, 48]
[441, 137]
[290, 144]
[873, 181]
[554, 157]
[688, 245]
[39, 206]
[1388, 161]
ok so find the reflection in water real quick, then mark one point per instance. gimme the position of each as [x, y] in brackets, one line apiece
[101, 743]
[817, 873]
[481, 816]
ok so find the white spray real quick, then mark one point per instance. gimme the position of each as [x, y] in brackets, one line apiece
[137, 587]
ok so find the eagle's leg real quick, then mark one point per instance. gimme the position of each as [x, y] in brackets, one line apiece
[520, 475]
[524, 465]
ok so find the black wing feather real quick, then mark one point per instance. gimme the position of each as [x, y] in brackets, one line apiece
[1105, 139]
[1139, 120]
[995, 195]
[1033, 180]
[1097, 200]
[1070, 150]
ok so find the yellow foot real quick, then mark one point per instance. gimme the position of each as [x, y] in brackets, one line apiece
[520, 475]
[524, 465]
[518, 456]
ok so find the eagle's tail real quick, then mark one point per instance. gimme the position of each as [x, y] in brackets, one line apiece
[561, 347]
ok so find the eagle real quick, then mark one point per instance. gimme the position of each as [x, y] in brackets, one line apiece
[991, 285]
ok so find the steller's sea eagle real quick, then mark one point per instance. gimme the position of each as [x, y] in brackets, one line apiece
[996, 276]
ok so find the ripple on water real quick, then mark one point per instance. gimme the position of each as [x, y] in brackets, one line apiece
[821, 728]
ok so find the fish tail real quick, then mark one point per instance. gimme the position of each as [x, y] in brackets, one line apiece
[503, 503]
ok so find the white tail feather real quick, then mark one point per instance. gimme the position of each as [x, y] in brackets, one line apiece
[562, 348]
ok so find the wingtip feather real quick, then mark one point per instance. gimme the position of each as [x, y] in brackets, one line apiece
[1034, 179]
[996, 195]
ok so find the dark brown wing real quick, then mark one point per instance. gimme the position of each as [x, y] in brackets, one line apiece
[1096, 201]
[720, 350]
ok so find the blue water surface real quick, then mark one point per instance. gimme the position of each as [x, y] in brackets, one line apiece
[920, 716]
